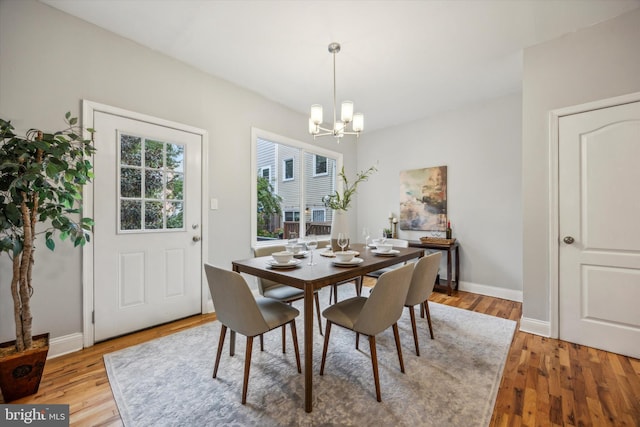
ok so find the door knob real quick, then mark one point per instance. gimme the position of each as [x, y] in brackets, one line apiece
[196, 238]
[568, 240]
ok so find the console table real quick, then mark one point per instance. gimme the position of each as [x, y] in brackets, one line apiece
[450, 249]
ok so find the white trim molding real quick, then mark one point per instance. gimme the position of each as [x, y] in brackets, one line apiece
[89, 108]
[535, 326]
[66, 344]
[554, 202]
[492, 291]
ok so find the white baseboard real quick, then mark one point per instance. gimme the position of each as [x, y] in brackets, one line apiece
[535, 326]
[66, 344]
[492, 291]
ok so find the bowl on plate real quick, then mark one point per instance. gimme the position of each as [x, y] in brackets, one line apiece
[282, 257]
[345, 256]
[384, 247]
[294, 248]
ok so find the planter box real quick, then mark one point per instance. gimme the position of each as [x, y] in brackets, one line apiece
[20, 373]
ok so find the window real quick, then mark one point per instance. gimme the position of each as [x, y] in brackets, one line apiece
[287, 169]
[318, 215]
[302, 174]
[320, 165]
[292, 215]
[265, 172]
[151, 196]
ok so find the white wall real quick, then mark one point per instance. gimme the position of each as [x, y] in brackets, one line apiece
[481, 147]
[595, 63]
[50, 61]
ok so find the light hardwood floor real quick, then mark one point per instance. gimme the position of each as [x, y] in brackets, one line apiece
[546, 382]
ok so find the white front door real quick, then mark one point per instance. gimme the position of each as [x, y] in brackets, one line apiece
[147, 211]
[599, 203]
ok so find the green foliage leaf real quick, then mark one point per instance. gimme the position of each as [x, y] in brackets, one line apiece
[50, 244]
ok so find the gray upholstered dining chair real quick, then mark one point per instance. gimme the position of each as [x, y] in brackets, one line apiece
[278, 291]
[370, 316]
[422, 282]
[237, 309]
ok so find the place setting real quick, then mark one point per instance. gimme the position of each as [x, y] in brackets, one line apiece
[382, 248]
[343, 257]
[283, 260]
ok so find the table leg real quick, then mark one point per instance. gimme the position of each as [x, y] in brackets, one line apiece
[308, 347]
[457, 267]
[449, 278]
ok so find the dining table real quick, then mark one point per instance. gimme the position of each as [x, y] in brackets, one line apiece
[323, 272]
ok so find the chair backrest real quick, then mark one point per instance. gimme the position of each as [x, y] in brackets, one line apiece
[423, 279]
[234, 303]
[398, 243]
[264, 284]
[386, 302]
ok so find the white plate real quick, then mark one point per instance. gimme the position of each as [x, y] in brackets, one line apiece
[392, 252]
[291, 264]
[301, 254]
[351, 263]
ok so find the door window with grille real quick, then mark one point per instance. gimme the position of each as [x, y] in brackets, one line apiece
[151, 184]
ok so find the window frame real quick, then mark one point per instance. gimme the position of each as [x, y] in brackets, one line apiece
[284, 169]
[315, 165]
[256, 134]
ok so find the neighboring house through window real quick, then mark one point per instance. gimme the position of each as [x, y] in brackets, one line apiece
[301, 174]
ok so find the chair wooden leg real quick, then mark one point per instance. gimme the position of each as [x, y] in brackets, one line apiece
[294, 335]
[284, 335]
[426, 309]
[232, 342]
[398, 346]
[247, 367]
[317, 298]
[374, 363]
[223, 332]
[326, 345]
[357, 341]
[415, 329]
[358, 283]
[261, 343]
[421, 311]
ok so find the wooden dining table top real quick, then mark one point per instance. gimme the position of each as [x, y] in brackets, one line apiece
[324, 272]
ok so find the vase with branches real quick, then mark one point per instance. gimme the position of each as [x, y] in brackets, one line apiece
[41, 179]
[342, 202]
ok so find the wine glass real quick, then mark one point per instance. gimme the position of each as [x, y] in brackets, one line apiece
[343, 240]
[312, 243]
[366, 236]
[383, 236]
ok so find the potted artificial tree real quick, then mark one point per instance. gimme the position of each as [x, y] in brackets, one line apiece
[41, 180]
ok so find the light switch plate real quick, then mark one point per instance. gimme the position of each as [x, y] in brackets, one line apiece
[214, 204]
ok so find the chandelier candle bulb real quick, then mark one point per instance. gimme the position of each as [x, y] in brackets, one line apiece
[358, 122]
[347, 111]
[316, 114]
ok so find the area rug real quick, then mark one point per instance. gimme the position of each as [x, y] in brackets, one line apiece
[454, 382]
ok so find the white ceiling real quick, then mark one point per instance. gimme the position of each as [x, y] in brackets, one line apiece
[400, 60]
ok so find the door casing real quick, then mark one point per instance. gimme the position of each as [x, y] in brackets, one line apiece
[88, 110]
[554, 201]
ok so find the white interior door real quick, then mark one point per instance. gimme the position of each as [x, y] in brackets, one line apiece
[599, 201]
[147, 210]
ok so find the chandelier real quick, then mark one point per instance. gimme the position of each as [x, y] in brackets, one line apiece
[346, 113]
